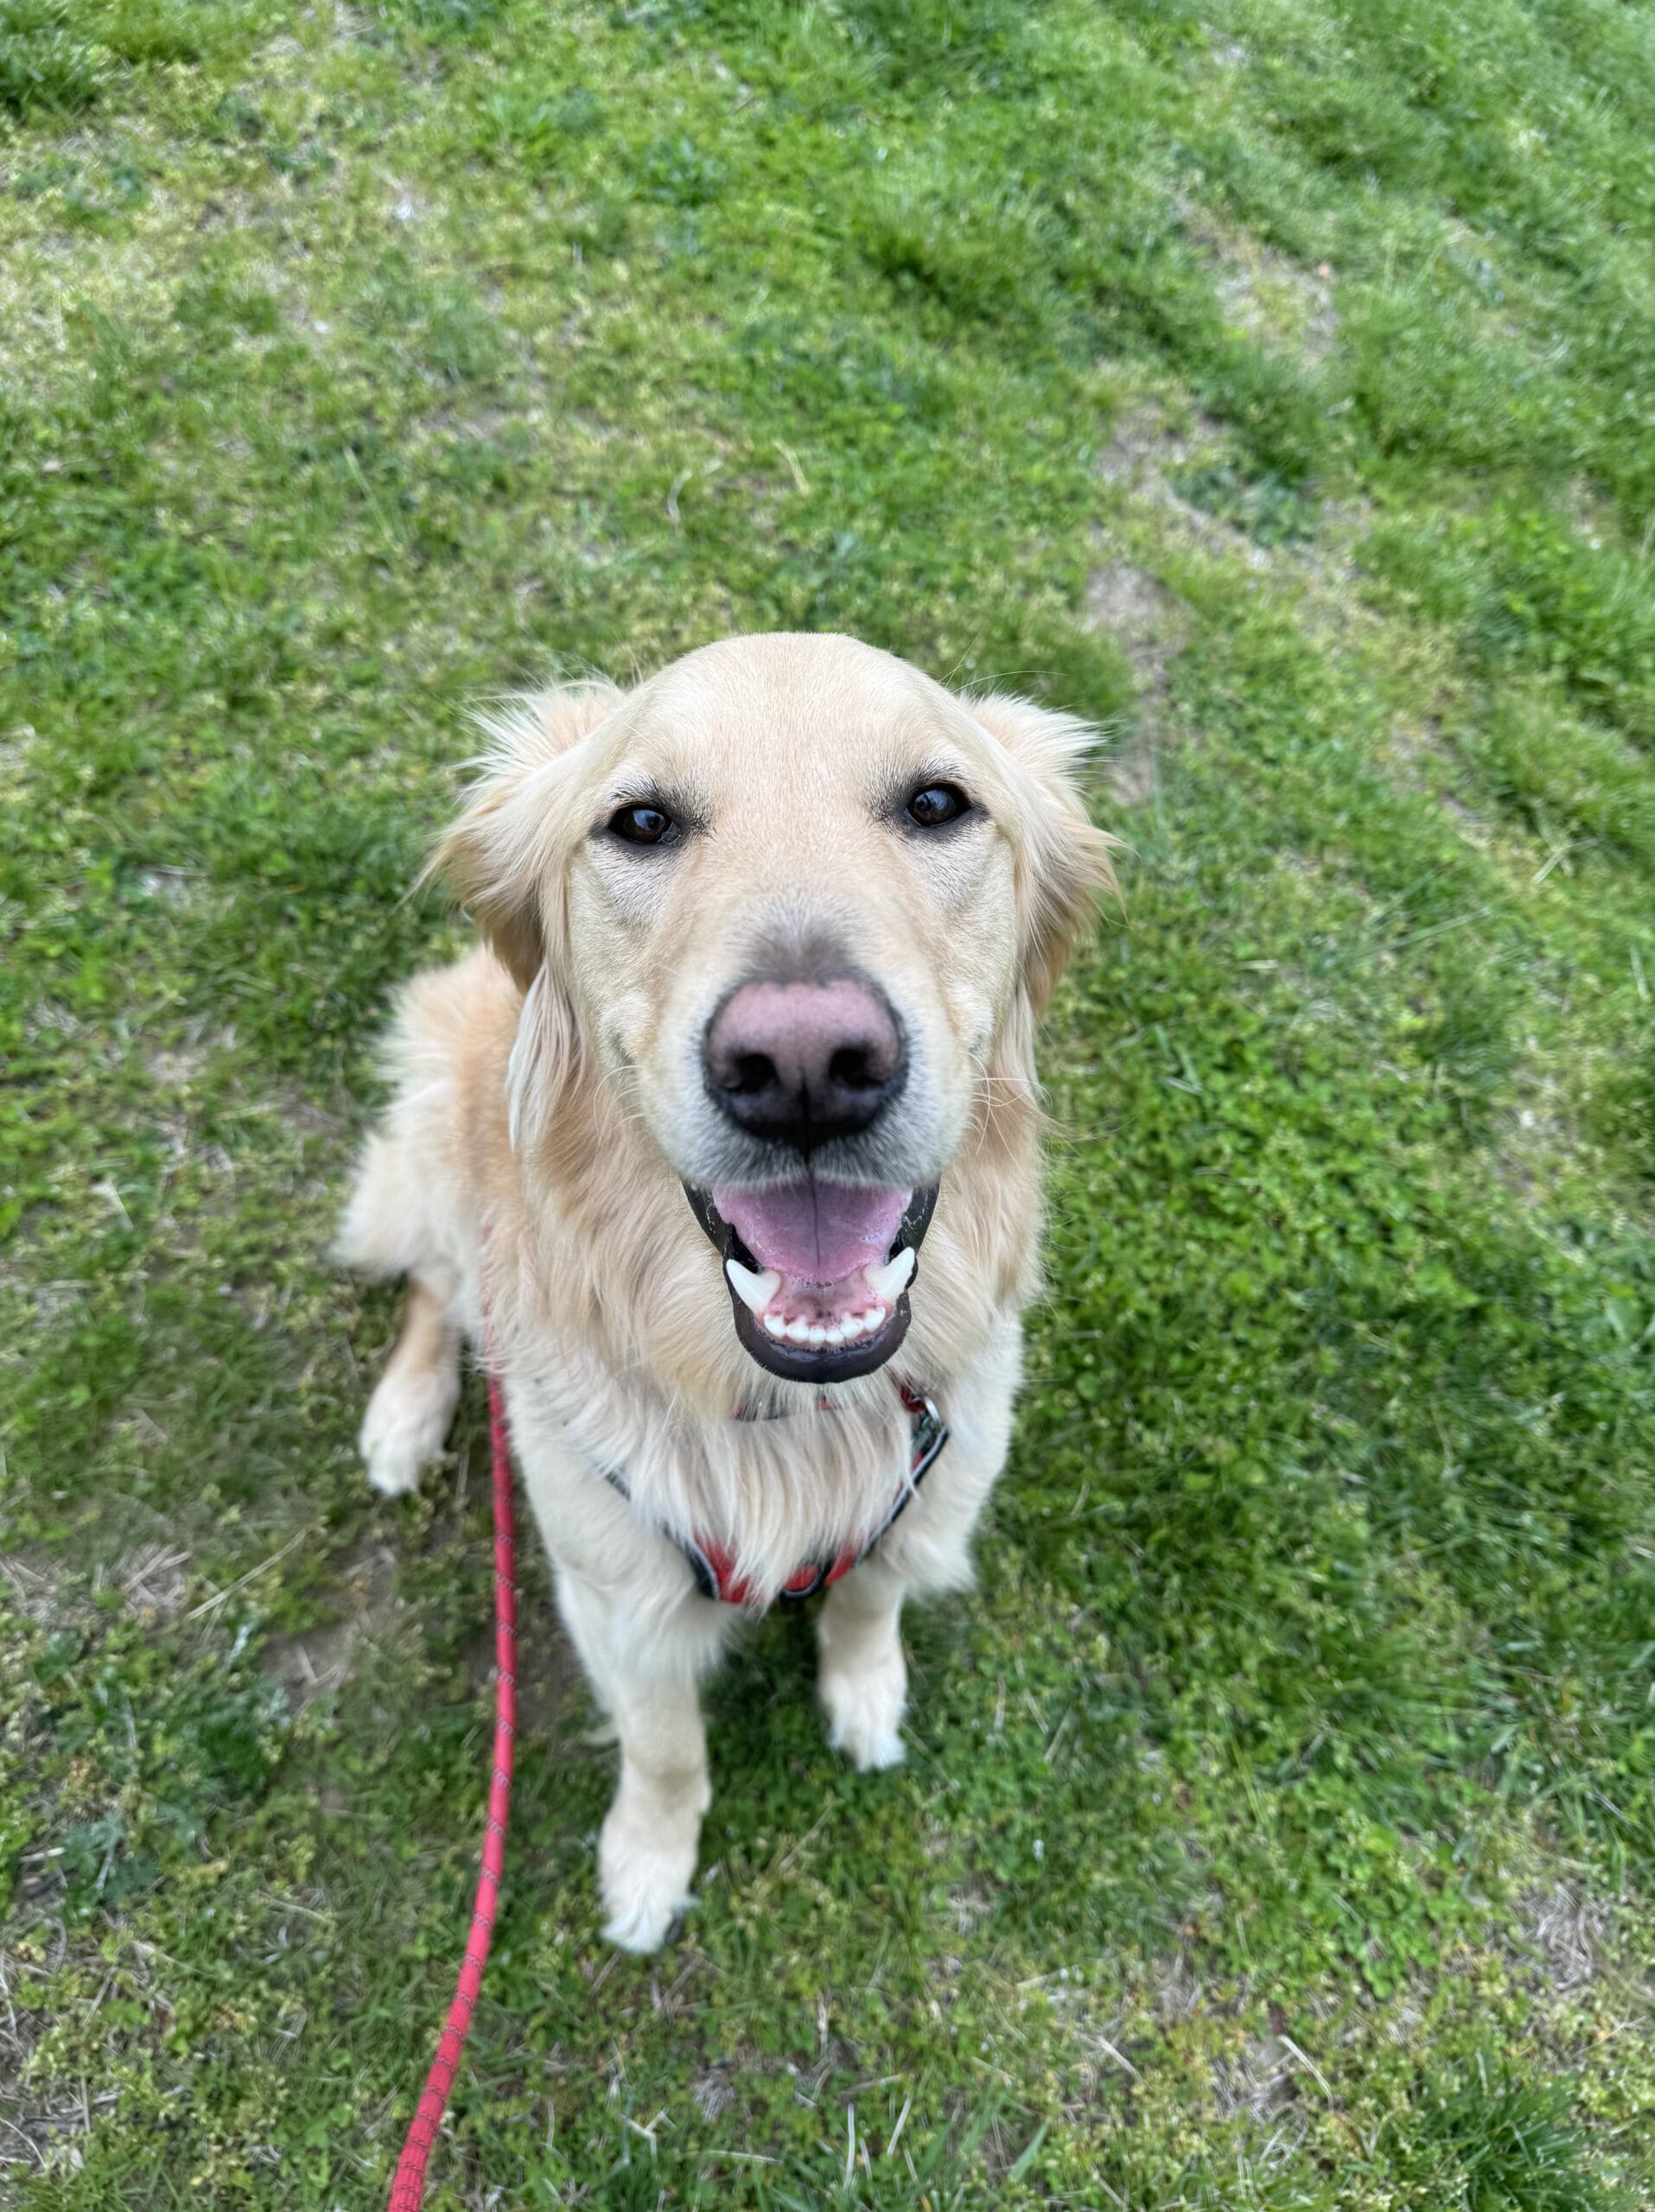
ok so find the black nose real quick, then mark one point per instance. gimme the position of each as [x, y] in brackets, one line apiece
[799, 1063]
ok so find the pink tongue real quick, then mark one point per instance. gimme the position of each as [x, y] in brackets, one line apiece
[819, 1231]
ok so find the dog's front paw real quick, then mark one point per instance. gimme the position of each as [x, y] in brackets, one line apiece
[406, 1427]
[864, 1710]
[644, 1875]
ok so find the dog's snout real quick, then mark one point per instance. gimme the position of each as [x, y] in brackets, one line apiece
[799, 1063]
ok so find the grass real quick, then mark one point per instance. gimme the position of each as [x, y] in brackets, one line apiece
[1279, 1829]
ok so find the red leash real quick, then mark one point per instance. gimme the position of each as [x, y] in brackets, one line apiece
[408, 2190]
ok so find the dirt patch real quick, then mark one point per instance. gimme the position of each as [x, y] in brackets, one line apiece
[1142, 614]
[318, 1659]
[1178, 1992]
[1144, 447]
[173, 887]
[1151, 626]
[1147, 455]
[1281, 306]
[15, 748]
[968, 1902]
[150, 1578]
[548, 1673]
[712, 2092]
[177, 1067]
[1571, 1932]
[37, 2124]
[1258, 2080]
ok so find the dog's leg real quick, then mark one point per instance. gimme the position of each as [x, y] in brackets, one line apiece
[645, 1680]
[862, 1677]
[407, 1421]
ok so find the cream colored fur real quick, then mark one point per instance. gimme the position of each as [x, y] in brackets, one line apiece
[525, 1177]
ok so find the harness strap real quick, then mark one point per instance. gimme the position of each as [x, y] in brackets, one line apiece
[714, 1565]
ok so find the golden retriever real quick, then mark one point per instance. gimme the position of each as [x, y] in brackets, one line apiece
[725, 1153]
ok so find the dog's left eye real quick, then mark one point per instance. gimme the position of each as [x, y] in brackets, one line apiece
[641, 825]
[938, 803]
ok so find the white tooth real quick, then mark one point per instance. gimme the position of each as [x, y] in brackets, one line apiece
[850, 1327]
[819, 1336]
[838, 1331]
[776, 1325]
[754, 1291]
[798, 1332]
[889, 1282]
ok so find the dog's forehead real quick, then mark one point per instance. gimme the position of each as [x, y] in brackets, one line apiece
[826, 711]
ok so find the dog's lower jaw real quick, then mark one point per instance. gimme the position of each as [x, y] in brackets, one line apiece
[801, 1363]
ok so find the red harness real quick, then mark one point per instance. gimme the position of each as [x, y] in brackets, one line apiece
[714, 1565]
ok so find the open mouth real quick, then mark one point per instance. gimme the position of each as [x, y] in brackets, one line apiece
[818, 1273]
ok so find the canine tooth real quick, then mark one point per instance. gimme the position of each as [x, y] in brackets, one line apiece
[755, 1291]
[775, 1325]
[889, 1282]
[798, 1332]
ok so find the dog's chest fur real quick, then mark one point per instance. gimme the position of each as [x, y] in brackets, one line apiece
[773, 1490]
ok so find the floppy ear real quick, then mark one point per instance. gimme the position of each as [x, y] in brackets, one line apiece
[501, 857]
[504, 858]
[1064, 866]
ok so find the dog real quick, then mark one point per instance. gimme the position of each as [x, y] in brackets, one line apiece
[722, 1149]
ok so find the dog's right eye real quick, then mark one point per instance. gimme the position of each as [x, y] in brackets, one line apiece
[938, 804]
[641, 825]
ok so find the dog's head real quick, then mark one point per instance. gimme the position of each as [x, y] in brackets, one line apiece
[797, 905]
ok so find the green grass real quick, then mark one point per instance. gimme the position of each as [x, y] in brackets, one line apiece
[1279, 1829]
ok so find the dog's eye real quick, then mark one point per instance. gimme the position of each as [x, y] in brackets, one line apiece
[641, 825]
[937, 804]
